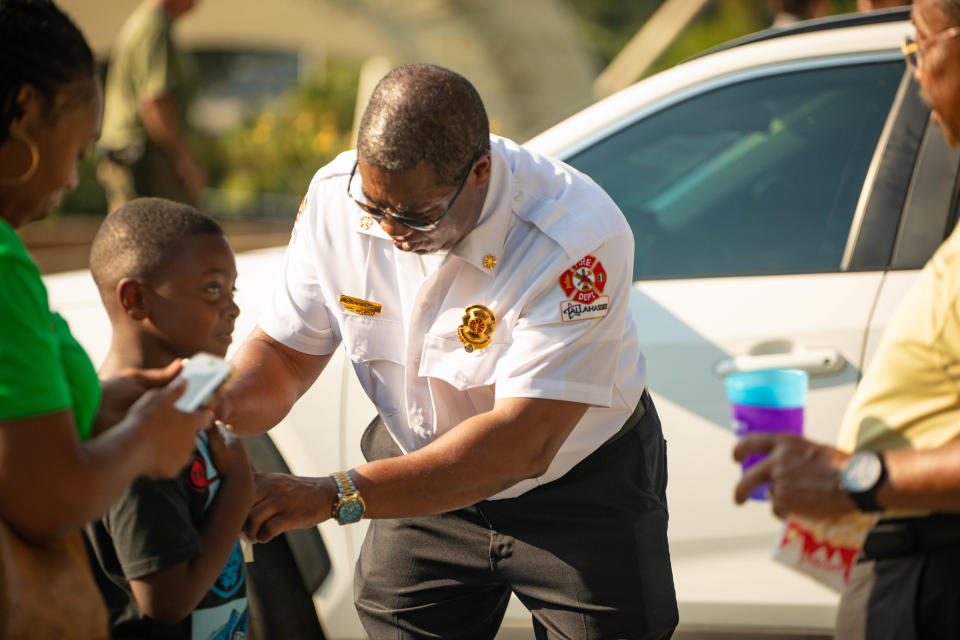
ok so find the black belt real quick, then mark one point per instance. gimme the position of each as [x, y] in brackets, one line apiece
[898, 537]
[634, 418]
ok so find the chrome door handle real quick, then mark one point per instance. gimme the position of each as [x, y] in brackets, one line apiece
[818, 361]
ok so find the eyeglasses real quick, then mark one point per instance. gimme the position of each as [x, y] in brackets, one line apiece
[913, 52]
[417, 224]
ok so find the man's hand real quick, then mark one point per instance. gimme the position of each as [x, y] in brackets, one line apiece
[282, 502]
[804, 476]
[119, 392]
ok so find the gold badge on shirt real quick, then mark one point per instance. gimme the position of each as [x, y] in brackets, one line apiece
[360, 307]
[477, 327]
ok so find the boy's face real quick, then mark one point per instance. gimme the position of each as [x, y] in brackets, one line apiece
[190, 306]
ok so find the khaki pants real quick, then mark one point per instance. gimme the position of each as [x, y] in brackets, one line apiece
[152, 175]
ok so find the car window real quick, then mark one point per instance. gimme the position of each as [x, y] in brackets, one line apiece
[759, 177]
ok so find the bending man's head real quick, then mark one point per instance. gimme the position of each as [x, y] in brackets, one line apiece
[424, 114]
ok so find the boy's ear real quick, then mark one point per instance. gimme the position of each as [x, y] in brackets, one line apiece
[132, 298]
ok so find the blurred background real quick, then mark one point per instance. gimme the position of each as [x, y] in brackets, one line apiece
[282, 83]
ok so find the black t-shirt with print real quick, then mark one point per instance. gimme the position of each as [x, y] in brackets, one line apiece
[155, 525]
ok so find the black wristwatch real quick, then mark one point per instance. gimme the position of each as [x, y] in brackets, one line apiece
[862, 477]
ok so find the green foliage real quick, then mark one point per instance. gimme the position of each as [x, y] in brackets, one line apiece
[276, 151]
[610, 24]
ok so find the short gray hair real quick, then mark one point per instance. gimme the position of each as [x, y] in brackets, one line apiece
[424, 113]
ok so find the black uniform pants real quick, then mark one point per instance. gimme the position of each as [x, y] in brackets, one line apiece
[586, 554]
[906, 584]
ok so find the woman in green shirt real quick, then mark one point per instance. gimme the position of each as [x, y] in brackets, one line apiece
[54, 476]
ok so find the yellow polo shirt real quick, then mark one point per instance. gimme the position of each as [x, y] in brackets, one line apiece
[910, 395]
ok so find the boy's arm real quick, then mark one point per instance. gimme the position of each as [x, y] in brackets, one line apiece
[170, 594]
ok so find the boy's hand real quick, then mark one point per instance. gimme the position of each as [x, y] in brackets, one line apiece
[171, 433]
[119, 392]
[228, 453]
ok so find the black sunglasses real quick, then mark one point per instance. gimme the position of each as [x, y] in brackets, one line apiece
[418, 224]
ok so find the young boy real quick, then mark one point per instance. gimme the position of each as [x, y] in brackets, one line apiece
[170, 565]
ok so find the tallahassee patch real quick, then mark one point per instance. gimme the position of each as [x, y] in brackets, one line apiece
[584, 283]
[570, 310]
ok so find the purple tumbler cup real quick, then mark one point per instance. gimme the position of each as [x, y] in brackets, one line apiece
[770, 400]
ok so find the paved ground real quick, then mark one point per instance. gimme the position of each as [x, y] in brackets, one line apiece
[62, 243]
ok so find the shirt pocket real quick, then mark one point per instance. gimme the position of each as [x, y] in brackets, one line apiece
[368, 339]
[447, 359]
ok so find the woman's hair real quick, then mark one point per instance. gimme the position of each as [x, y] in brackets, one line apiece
[39, 46]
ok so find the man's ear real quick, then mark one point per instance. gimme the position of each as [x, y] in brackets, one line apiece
[482, 169]
[132, 298]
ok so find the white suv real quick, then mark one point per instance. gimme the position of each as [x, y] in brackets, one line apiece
[783, 191]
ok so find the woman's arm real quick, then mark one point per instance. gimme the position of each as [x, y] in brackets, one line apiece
[52, 484]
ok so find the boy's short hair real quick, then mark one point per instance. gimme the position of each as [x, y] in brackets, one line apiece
[137, 239]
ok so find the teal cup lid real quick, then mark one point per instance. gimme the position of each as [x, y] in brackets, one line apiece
[783, 388]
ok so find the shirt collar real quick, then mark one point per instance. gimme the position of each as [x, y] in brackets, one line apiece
[483, 246]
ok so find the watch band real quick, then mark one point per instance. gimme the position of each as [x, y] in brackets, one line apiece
[348, 507]
[866, 498]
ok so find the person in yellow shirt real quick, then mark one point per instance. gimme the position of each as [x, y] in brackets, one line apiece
[898, 452]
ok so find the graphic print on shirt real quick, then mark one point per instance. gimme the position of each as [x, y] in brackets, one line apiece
[583, 283]
[223, 611]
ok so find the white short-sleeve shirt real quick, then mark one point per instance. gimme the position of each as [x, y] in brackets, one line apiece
[533, 303]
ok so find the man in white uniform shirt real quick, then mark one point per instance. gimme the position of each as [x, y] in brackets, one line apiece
[481, 292]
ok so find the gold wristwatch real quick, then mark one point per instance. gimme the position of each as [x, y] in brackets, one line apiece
[348, 506]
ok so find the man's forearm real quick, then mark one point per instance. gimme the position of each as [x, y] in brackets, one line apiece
[268, 380]
[160, 120]
[481, 457]
[927, 479]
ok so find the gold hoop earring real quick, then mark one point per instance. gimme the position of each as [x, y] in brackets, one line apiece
[34, 160]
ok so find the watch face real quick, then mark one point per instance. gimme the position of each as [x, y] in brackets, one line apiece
[350, 511]
[862, 472]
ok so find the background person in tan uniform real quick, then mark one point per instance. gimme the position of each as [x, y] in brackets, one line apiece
[903, 424]
[150, 84]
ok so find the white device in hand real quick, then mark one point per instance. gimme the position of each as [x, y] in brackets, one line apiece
[204, 374]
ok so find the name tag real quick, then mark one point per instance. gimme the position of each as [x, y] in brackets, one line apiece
[360, 307]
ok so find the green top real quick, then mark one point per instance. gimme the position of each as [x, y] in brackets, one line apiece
[43, 368]
[145, 63]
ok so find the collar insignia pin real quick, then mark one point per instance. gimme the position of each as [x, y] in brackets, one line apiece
[489, 261]
[366, 222]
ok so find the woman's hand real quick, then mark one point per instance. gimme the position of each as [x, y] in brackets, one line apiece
[119, 392]
[171, 433]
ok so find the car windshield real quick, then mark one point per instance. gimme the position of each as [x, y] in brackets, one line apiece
[758, 177]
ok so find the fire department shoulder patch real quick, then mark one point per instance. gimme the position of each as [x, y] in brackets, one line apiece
[584, 283]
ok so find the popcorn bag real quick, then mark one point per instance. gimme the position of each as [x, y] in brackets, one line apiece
[824, 550]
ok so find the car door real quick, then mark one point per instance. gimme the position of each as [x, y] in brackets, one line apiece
[748, 202]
